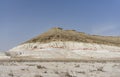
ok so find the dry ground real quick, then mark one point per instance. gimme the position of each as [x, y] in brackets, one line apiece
[59, 69]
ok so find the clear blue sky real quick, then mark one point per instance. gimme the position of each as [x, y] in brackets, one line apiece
[21, 20]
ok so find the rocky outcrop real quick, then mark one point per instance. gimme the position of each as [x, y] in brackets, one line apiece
[65, 50]
[65, 45]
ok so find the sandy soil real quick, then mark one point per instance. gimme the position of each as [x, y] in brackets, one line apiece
[59, 69]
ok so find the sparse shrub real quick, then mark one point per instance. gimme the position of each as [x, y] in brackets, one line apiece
[23, 69]
[82, 72]
[41, 67]
[77, 66]
[56, 72]
[92, 70]
[11, 74]
[38, 76]
[68, 75]
[45, 71]
[100, 69]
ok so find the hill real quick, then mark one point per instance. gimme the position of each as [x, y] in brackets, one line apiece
[57, 43]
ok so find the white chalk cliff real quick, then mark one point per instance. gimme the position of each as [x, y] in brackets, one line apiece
[59, 43]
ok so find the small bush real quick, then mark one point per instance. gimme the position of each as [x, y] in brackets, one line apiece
[40, 67]
[38, 76]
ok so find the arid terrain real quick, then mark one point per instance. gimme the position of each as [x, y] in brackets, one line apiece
[60, 69]
[63, 53]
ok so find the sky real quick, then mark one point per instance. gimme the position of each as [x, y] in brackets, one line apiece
[21, 20]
